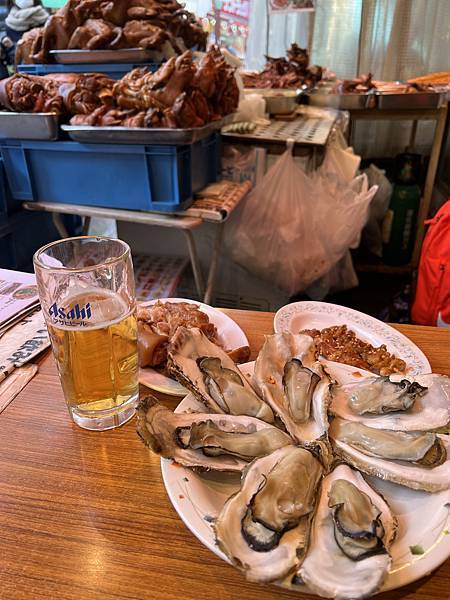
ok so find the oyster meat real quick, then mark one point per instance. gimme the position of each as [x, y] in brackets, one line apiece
[416, 459]
[351, 534]
[394, 402]
[210, 374]
[264, 528]
[294, 384]
[206, 441]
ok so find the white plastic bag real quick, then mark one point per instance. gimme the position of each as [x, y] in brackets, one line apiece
[292, 228]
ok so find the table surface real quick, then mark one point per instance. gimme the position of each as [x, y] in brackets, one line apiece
[85, 514]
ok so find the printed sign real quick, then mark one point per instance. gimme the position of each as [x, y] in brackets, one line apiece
[280, 6]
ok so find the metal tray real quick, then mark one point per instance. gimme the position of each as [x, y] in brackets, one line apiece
[303, 130]
[70, 57]
[343, 101]
[417, 100]
[29, 126]
[88, 134]
[278, 101]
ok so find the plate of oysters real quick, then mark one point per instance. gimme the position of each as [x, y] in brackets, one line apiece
[306, 472]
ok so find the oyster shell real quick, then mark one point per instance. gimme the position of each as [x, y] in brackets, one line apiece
[418, 460]
[207, 441]
[264, 528]
[351, 534]
[212, 376]
[422, 403]
[288, 377]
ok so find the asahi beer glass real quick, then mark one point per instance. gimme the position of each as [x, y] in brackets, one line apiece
[86, 289]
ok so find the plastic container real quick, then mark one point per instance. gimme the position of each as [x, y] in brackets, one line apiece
[113, 70]
[138, 177]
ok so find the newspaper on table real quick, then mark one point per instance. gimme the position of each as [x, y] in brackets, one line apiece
[217, 201]
[22, 342]
[18, 295]
[23, 334]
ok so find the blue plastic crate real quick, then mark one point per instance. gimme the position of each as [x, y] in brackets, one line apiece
[113, 70]
[156, 178]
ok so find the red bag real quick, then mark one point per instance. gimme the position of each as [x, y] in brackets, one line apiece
[432, 303]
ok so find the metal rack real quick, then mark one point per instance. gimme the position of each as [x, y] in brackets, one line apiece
[439, 115]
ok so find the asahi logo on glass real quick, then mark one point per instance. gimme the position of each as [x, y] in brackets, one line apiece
[73, 315]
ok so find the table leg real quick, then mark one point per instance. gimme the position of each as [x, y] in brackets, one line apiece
[429, 183]
[60, 227]
[412, 136]
[87, 222]
[214, 263]
[195, 263]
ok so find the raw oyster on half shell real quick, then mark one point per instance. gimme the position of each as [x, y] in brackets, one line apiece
[416, 459]
[288, 377]
[352, 531]
[210, 374]
[395, 403]
[206, 441]
[264, 528]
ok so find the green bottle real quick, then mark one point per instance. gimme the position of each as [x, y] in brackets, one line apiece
[399, 224]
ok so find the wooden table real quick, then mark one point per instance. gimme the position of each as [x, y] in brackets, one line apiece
[85, 515]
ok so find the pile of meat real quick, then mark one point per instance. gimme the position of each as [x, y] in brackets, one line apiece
[159, 25]
[359, 85]
[69, 93]
[181, 94]
[157, 324]
[339, 344]
[292, 72]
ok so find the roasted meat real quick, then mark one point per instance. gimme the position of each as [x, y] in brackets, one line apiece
[88, 92]
[160, 25]
[30, 93]
[292, 72]
[157, 324]
[181, 93]
[94, 34]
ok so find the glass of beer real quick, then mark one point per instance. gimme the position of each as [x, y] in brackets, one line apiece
[86, 289]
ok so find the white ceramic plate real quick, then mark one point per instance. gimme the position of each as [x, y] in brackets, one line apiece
[317, 315]
[230, 337]
[424, 519]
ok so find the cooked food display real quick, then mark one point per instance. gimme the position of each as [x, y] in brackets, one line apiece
[292, 72]
[364, 84]
[58, 93]
[433, 79]
[163, 26]
[342, 345]
[159, 322]
[181, 94]
[358, 85]
[301, 515]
